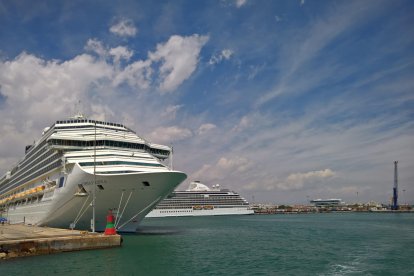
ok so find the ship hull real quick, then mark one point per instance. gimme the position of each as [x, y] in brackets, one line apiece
[187, 212]
[130, 197]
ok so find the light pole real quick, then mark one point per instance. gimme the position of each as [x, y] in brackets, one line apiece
[94, 183]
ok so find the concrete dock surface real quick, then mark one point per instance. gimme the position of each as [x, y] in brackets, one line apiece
[17, 240]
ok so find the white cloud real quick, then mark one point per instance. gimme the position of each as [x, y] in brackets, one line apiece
[295, 181]
[223, 55]
[170, 134]
[302, 2]
[223, 168]
[298, 180]
[117, 53]
[137, 74]
[179, 58]
[240, 3]
[28, 78]
[204, 128]
[38, 91]
[226, 53]
[171, 111]
[96, 46]
[237, 164]
[124, 28]
[120, 53]
[244, 123]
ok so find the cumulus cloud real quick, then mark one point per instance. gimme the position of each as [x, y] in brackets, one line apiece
[295, 181]
[224, 167]
[124, 28]
[120, 53]
[204, 128]
[170, 134]
[179, 58]
[238, 164]
[137, 74]
[298, 180]
[28, 78]
[96, 46]
[38, 91]
[223, 55]
[117, 53]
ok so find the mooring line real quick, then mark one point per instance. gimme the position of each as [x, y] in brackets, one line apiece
[152, 203]
[119, 206]
[82, 214]
[83, 205]
[126, 203]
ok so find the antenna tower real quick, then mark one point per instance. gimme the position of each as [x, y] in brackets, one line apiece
[395, 189]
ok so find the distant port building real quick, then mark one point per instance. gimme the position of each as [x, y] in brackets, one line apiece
[327, 203]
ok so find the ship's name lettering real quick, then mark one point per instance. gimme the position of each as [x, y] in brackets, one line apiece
[100, 181]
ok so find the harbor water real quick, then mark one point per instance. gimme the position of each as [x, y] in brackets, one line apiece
[297, 244]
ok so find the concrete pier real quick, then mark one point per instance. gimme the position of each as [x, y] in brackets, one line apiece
[18, 240]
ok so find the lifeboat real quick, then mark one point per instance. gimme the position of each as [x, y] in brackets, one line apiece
[40, 188]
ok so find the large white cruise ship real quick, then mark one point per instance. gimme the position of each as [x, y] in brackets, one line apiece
[75, 159]
[200, 200]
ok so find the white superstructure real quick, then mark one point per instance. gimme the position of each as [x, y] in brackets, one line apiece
[331, 202]
[200, 200]
[74, 159]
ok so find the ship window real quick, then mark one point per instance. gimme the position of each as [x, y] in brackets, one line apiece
[61, 181]
[146, 183]
[100, 187]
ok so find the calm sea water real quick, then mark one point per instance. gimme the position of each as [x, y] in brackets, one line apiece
[307, 244]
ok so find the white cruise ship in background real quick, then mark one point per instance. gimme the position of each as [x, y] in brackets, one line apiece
[53, 185]
[200, 200]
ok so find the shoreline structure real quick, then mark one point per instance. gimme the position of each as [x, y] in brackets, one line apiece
[20, 240]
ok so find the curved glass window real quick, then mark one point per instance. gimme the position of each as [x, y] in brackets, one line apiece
[108, 163]
[109, 143]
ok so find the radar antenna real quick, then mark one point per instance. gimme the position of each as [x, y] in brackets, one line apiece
[78, 112]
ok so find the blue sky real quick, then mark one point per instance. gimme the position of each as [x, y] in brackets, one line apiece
[279, 100]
